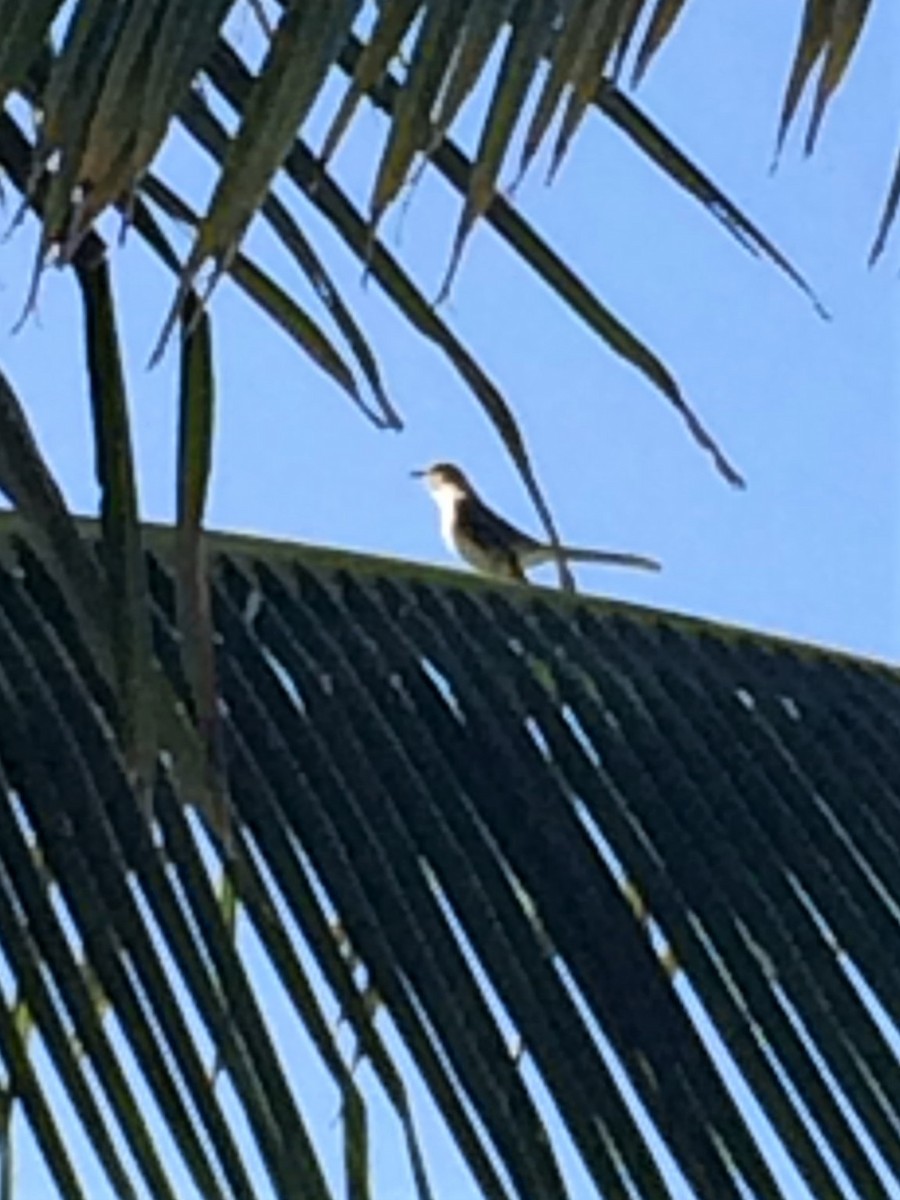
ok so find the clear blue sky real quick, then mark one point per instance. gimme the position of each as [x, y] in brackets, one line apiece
[807, 409]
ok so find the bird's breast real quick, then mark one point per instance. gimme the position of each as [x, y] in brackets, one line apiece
[447, 505]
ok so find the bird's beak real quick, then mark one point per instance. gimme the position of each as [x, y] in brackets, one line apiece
[418, 474]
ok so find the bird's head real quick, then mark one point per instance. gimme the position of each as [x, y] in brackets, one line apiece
[445, 479]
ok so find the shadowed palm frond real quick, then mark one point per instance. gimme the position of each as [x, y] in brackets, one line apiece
[479, 788]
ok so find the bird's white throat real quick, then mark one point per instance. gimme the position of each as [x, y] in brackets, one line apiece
[447, 497]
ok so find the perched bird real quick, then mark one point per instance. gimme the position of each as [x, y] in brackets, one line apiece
[490, 544]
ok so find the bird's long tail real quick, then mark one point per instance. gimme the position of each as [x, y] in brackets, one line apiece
[611, 557]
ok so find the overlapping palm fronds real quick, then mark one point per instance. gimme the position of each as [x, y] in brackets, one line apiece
[642, 866]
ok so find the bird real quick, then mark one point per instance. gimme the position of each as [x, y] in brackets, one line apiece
[490, 544]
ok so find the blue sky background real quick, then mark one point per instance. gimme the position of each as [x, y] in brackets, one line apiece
[806, 409]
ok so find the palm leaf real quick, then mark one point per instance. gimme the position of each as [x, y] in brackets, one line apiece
[154, 61]
[126, 605]
[464, 774]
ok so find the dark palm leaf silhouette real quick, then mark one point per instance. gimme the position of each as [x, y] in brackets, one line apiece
[633, 856]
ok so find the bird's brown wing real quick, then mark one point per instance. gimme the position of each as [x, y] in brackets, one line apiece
[505, 550]
[489, 537]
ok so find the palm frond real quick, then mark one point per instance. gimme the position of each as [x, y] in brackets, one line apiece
[126, 603]
[146, 59]
[478, 786]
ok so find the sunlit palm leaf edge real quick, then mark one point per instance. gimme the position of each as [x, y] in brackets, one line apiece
[479, 787]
